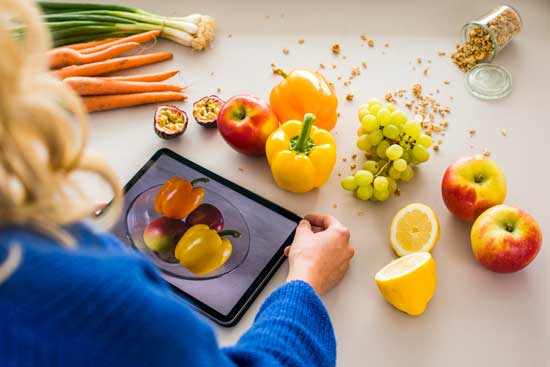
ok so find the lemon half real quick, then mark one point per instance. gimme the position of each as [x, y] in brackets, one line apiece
[414, 228]
[408, 283]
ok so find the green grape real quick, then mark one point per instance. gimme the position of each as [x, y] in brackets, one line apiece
[420, 153]
[398, 118]
[381, 195]
[348, 183]
[381, 148]
[383, 116]
[392, 185]
[371, 166]
[389, 107]
[375, 108]
[391, 131]
[394, 151]
[415, 161]
[369, 123]
[374, 101]
[363, 142]
[393, 173]
[412, 129]
[381, 183]
[363, 110]
[375, 137]
[425, 141]
[364, 192]
[407, 174]
[400, 165]
[363, 177]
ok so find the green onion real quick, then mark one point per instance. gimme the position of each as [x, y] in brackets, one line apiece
[75, 22]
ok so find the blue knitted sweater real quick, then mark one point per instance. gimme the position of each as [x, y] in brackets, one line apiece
[102, 305]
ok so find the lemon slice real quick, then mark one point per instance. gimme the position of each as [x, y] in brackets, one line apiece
[408, 283]
[414, 228]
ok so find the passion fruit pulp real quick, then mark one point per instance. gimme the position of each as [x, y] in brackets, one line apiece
[206, 110]
[170, 122]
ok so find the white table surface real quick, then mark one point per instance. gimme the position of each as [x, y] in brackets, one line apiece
[476, 318]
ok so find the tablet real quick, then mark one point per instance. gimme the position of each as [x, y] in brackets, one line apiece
[220, 278]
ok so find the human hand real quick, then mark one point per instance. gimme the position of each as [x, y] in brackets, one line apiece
[319, 256]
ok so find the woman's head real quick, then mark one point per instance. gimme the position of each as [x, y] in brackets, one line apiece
[43, 133]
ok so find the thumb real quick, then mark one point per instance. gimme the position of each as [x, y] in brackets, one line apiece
[303, 227]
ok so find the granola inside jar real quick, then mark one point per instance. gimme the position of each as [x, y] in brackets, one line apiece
[484, 37]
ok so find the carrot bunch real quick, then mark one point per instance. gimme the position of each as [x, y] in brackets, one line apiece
[83, 67]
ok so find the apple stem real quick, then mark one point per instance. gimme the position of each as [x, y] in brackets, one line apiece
[229, 232]
[303, 139]
[197, 180]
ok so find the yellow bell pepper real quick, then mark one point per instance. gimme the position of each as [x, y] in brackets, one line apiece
[301, 92]
[301, 156]
[202, 250]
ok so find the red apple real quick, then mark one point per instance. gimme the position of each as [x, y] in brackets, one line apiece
[245, 122]
[505, 239]
[471, 185]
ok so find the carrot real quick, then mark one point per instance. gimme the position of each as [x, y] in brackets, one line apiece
[80, 46]
[91, 86]
[103, 103]
[104, 67]
[61, 57]
[139, 38]
[158, 77]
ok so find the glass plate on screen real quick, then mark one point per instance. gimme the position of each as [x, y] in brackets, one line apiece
[141, 212]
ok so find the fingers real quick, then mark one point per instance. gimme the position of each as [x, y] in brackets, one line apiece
[303, 227]
[287, 250]
[323, 221]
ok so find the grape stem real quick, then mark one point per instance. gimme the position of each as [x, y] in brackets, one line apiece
[382, 169]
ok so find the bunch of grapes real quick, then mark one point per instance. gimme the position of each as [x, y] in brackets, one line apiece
[393, 145]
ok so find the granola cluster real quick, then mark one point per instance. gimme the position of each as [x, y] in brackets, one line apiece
[479, 46]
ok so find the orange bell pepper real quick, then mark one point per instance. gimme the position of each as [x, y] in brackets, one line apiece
[177, 197]
[301, 92]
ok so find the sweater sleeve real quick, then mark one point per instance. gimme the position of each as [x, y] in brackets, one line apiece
[292, 328]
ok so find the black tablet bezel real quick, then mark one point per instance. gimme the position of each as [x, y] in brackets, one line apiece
[261, 280]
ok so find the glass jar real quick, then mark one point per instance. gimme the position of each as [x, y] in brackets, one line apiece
[493, 30]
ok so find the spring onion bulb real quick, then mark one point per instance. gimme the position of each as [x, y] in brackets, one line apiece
[76, 22]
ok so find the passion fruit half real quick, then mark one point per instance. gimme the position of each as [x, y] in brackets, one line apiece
[170, 122]
[206, 110]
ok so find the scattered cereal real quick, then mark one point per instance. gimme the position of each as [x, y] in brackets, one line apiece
[354, 155]
[353, 166]
[344, 159]
[371, 43]
[301, 41]
[441, 53]
[322, 66]
[334, 205]
[426, 72]
[336, 49]
[364, 64]
[472, 132]
[218, 89]
[349, 97]
[419, 60]
[446, 82]
[504, 132]
[334, 66]
[436, 147]
[387, 45]
[285, 51]
[364, 37]
[486, 152]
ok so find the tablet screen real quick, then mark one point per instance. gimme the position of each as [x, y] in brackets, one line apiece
[217, 240]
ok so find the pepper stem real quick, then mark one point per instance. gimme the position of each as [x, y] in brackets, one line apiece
[229, 232]
[303, 139]
[280, 72]
[197, 180]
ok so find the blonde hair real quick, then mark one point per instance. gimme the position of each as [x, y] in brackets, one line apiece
[43, 136]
